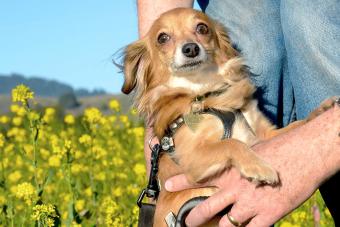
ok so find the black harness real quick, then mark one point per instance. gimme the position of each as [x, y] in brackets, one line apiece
[227, 118]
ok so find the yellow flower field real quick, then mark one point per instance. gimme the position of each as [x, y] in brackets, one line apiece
[82, 171]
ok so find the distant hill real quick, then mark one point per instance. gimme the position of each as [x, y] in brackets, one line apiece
[43, 87]
[100, 101]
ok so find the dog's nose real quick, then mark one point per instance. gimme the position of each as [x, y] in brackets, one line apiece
[190, 50]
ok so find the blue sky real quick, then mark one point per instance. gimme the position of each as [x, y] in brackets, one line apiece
[71, 41]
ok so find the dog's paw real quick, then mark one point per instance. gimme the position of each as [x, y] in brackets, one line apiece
[325, 105]
[260, 172]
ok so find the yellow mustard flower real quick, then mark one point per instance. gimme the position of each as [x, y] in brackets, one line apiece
[33, 116]
[45, 154]
[2, 200]
[114, 105]
[133, 190]
[9, 148]
[288, 224]
[19, 162]
[110, 209]
[14, 108]
[15, 176]
[22, 93]
[54, 161]
[18, 134]
[122, 176]
[100, 176]
[28, 148]
[88, 191]
[2, 140]
[75, 224]
[50, 111]
[327, 213]
[99, 152]
[298, 215]
[4, 119]
[138, 132]
[139, 169]
[26, 191]
[80, 205]
[44, 214]
[68, 144]
[78, 154]
[85, 139]
[48, 189]
[5, 162]
[117, 161]
[117, 191]
[92, 115]
[31, 168]
[124, 119]
[21, 111]
[69, 119]
[17, 121]
[49, 114]
[76, 168]
[112, 119]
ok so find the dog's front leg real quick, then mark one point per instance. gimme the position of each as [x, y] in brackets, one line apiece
[265, 132]
[211, 158]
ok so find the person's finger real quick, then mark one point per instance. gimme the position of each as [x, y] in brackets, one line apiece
[177, 183]
[237, 216]
[180, 182]
[204, 211]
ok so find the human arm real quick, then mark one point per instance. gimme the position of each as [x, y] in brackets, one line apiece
[304, 157]
[149, 10]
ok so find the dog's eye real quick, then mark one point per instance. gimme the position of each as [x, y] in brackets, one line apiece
[163, 38]
[202, 29]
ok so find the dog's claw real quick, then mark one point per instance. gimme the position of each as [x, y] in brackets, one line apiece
[324, 106]
[260, 173]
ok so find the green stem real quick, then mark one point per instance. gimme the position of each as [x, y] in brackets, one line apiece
[35, 162]
[35, 134]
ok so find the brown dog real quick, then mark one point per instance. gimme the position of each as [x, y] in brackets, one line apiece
[185, 69]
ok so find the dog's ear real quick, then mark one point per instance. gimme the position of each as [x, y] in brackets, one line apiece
[223, 41]
[136, 64]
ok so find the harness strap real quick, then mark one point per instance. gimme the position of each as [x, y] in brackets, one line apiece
[227, 118]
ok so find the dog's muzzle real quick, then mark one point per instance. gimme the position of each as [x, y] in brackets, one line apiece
[191, 50]
[188, 57]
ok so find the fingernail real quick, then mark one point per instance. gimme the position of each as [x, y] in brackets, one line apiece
[168, 185]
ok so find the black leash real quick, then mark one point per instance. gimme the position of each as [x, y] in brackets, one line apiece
[152, 189]
[147, 210]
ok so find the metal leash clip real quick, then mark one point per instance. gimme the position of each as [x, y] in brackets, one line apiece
[152, 189]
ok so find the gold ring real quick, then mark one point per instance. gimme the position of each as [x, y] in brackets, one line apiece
[233, 221]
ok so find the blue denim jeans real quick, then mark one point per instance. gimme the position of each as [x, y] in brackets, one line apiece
[292, 48]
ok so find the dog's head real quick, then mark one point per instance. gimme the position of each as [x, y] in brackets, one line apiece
[180, 44]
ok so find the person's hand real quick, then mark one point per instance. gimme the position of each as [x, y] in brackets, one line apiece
[260, 206]
[304, 158]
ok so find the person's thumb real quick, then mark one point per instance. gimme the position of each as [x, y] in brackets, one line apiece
[178, 183]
